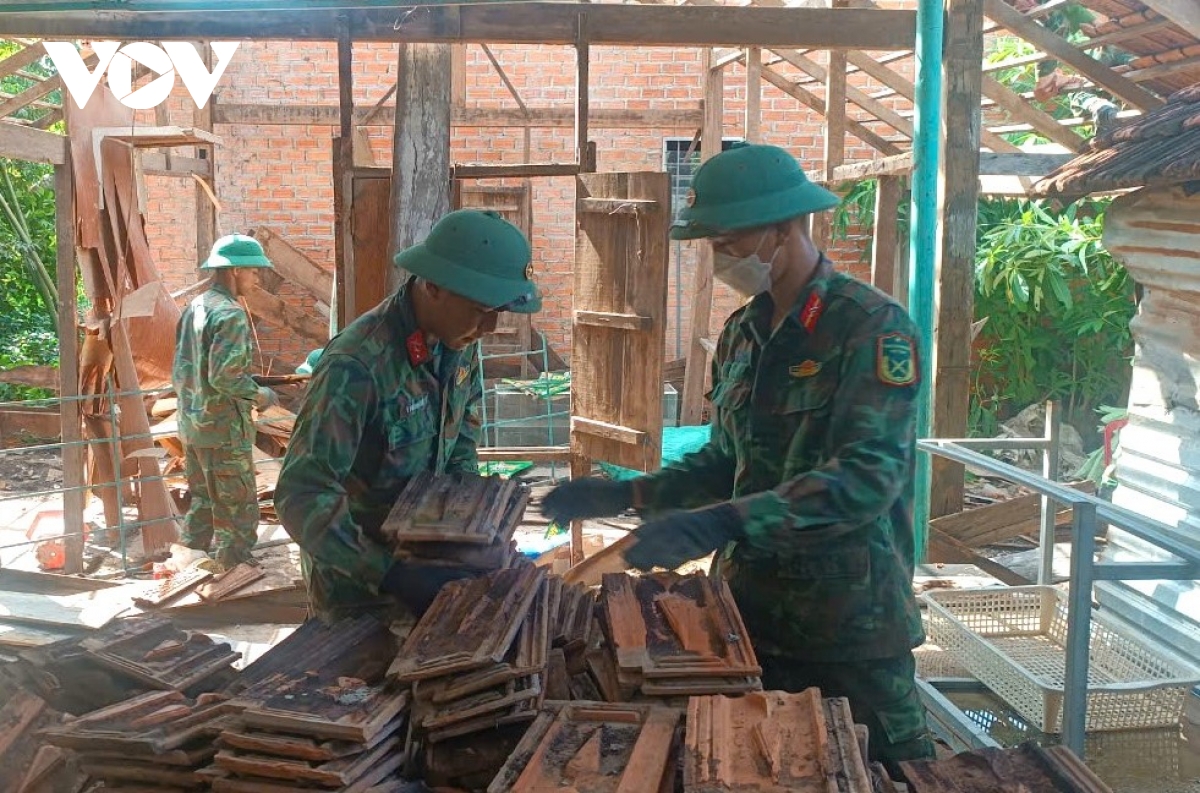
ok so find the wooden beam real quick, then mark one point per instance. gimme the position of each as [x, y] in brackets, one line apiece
[1019, 108]
[294, 265]
[696, 367]
[836, 123]
[754, 94]
[1048, 41]
[36, 92]
[458, 75]
[1023, 164]
[903, 86]
[549, 117]
[885, 241]
[285, 316]
[206, 211]
[958, 198]
[516, 170]
[19, 142]
[536, 22]
[1185, 13]
[20, 59]
[421, 146]
[858, 97]
[868, 169]
[582, 66]
[535, 454]
[855, 128]
[154, 163]
[74, 456]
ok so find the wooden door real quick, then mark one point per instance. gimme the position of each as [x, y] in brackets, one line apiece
[514, 332]
[363, 198]
[619, 319]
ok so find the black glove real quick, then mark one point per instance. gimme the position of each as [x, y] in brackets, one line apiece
[416, 585]
[587, 498]
[683, 536]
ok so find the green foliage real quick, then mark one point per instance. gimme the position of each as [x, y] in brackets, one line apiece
[1057, 307]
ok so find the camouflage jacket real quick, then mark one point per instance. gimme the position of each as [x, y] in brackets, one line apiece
[212, 372]
[813, 443]
[381, 407]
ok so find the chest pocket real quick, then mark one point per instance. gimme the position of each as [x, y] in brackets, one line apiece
[732, 389]
[810, 394]
[412, 421]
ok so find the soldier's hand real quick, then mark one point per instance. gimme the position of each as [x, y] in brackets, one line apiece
[587, 498]
[267, 398]
[683, 536]
[416, 585]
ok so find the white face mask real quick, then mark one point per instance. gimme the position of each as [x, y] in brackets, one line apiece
[747, 275]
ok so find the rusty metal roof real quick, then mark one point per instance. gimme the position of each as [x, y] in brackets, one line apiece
[1159, 148]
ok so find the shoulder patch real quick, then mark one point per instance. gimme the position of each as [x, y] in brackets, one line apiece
[896, 360]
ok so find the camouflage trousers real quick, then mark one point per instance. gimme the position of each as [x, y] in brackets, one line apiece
[224, 502]
[883, 697]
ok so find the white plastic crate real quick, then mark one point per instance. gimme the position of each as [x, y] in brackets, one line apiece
[1013, 640]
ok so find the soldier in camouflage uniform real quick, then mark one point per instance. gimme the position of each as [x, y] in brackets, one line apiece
[395, 393]
[216, 392]
[805, 486]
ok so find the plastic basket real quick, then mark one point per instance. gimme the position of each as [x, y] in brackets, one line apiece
[1013, 640]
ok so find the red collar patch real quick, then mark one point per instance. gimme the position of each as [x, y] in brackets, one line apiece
[418, 350]
[811, 313]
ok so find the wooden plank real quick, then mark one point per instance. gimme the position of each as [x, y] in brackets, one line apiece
[369, 274]
[855, 128]
[958, 197]
[603, 429]
[458, 75]
[582, 98]
[885, 241]
[895, 165]
[611, 559]
[473, 116]
[156, 164]
[1019, 108]
[836, 123]
[162, 591]
[615, 206]
[944, 547]
[531, 23]
[1050, 42]
[696, 369]
[609, 319]
[229, 582]
[19, 142]
[82, 610]
[968, 525]
[283, 315]
[420, 190]
[294, 265]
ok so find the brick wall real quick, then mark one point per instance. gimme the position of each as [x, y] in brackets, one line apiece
[282, 176]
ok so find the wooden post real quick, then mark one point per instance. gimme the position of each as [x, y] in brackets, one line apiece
[583, 156]
[458, 75]
[70, 407]
[885, 243]
[697, 357]
[206, 212]
[754, 95]
[342, 300]
[421, 146]
[835, 137]
[345, 55]
[958, 197]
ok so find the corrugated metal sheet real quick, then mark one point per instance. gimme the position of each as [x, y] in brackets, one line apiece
[1157, 235]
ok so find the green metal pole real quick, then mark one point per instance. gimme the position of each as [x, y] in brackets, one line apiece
[923, 235]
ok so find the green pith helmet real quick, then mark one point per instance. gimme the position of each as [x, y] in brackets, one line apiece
[747, 186]
[236, 250]
[480, 256]
[310, 362]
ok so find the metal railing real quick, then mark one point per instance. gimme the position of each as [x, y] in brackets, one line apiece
[1087, 512]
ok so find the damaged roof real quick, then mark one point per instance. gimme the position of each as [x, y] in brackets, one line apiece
[1159, 148]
